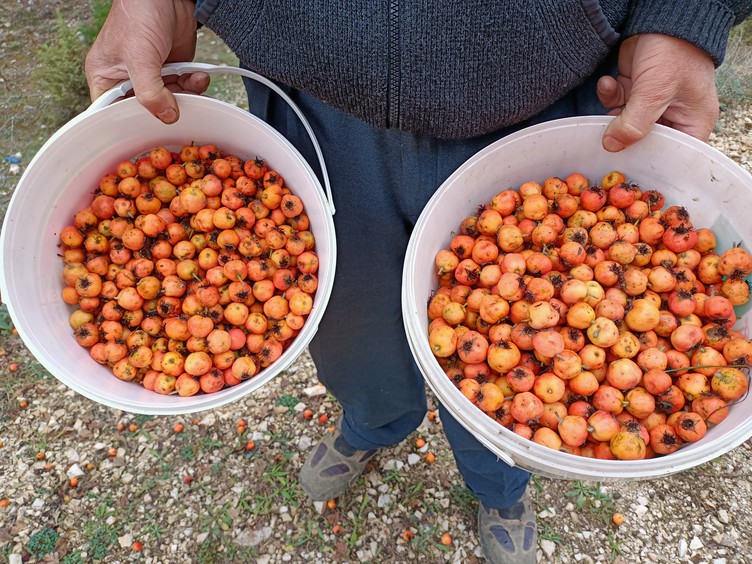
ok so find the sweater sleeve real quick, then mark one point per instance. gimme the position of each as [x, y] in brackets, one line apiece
[704, 23]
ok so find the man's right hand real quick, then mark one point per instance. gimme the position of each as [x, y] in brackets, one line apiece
[137, 38]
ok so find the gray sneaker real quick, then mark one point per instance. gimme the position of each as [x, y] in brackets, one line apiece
[509, 536]
[332, 467]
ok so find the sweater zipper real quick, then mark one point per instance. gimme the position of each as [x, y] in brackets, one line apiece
[393, 82]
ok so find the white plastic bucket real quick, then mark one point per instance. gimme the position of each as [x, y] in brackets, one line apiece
[716, 191]
[60, 180]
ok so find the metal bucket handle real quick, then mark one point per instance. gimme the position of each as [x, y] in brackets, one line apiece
[122, 89]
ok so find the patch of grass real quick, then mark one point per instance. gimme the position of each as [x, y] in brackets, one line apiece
[589, 497]
[614, 546]
[734, 76]
[73, 558]
[61, 73]
[464, 499]
[427, 541]
[101, 538]
[287, 401]
[42, 542]
[547, 532]
[6, 323]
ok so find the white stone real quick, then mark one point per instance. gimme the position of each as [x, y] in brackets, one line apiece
[299, 407]
[254, 537]
[393, 465]
[642, 500]
[208, 419]
[682, 548]
[283, 509]
[74, 471]
[127, 478]
[548, 547]
[318, 506]
[15, 558]
[640, 510]
[72, 455]
[695, 544]
[313, 391]
[719, 561]
[202, 537]
[264, 559]
[384, 500]
[38, 504]
[413, 459]
[125, 541]
[723, 516]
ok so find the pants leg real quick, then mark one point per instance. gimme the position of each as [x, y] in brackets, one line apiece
[381, 179]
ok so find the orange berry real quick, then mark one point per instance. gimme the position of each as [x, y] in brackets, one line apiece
[89, 466]
[133, 427]
[408, 535]
[178, 427]
[23, 404]
[195, 422]
[47, 467]
[121, 426]
[446, 539]
[432, 416]
[112, 452]
[5, 502]
[430, 457]
[331, 504]
[40, 456]
[250, 445]
[330, 430]
[617, 519]
[2, 444]
[323, 418]
[241, 422]
[137, 546]
[240, 429]
[73, 482]
[337, 530]
[187, 479]
[13, 366]
[420, 443]
[308, 414]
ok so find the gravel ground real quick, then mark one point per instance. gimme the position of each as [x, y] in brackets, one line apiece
[148, 491]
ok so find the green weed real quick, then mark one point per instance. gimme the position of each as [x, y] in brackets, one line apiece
[287, 401]
[42, 542]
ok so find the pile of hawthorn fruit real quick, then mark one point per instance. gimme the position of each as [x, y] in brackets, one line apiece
[592, 319]
[189, 271]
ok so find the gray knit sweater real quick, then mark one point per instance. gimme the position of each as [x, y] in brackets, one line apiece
[450, 68]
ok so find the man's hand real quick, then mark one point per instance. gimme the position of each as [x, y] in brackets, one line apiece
[138, 37]
[660, 79]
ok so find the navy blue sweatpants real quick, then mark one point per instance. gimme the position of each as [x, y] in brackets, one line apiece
[381, 179]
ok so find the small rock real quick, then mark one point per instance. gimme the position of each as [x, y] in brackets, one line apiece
[719, 561]
[696, 544]
[413, 458]
[125, 541]
[202, 537]
[318, 506]
[640, 510]
[725, 540]
[313, 391]
[72, 455]
[682, 548]
[15, 558]
[299, 407]
[264, 559]
[208, 420]
[127, 478]
[254, 537]
[74, 471]
[393, 465]
[548, 547]
[304, 443]
[384, 500]
[38, 504]
[723, 516]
